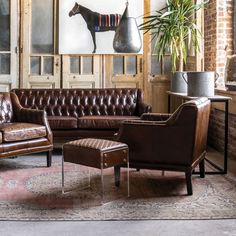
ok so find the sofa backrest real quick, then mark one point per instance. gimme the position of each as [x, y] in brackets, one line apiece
[6, 112]
[82, 102]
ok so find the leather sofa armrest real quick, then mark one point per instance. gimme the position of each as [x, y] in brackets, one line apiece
[30, 116]
[143, 108]
[36, 117]
[155, 116]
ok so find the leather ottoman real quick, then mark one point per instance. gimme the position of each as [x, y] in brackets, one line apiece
[97, 153]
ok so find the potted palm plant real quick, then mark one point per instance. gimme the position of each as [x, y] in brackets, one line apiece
[174, 30]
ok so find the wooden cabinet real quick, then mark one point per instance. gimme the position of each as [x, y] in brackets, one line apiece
[42, 67]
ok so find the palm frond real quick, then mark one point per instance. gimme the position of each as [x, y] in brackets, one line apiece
[174, 28]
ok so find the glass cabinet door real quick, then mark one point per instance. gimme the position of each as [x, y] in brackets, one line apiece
[41, 64]
[124, 71]
[8, 45]
[81, 71]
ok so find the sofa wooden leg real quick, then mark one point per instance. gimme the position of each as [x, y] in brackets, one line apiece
[188, 176]
[14, 157]
[117, 175]
[49, 158]
[202, 169]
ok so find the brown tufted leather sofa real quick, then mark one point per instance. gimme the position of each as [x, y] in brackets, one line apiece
[80, 113]
[173, 142]
[23, 131]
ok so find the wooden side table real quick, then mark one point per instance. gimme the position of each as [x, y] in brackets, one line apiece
[216, 98]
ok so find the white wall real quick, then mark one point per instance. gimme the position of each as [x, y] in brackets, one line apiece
[75, 38]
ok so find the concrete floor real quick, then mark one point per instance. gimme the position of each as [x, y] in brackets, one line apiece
[116, 228]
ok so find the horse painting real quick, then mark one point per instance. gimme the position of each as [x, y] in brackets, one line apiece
[95, 21]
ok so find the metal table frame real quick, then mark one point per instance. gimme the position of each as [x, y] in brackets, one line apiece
[216, 98]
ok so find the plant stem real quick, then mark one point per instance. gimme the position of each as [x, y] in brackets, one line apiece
[181, 55]
[181, 61]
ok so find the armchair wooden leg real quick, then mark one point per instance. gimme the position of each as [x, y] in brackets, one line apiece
[117, 175]
[188, 176]
[202, 169]
[49, 158]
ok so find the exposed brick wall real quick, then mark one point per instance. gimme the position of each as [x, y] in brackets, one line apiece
[216, 132]
[229, 27]
[218, 36]
[210, 36]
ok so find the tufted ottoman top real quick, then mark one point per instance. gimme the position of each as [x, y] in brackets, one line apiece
[98, 144]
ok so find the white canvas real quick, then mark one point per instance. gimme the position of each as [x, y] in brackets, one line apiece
[75, 38]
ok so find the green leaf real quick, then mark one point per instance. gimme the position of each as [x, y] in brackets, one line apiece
[174, 28]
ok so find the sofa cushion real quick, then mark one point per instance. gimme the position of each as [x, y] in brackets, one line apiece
[62, 122]
[103, 122]
[21, 131]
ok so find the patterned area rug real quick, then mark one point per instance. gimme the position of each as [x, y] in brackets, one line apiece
[31, 191]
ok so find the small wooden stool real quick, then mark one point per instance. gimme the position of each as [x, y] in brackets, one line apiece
[97, 153]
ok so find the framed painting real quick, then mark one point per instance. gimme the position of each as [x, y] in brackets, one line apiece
[88, 26]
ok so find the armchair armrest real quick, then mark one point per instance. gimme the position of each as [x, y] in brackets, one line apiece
[143, 108]
[36, 117]
[129, 129]
[143, 122]
[30, 116]
[155, 116]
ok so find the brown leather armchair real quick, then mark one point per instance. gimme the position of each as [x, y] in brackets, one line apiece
[23, 131]
[174, 142]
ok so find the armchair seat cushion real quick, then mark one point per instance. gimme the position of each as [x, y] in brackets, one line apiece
[21, 131]
[62, 122]
[103, 122]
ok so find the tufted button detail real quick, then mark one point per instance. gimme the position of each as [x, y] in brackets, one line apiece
[81, 102]
[6, 113]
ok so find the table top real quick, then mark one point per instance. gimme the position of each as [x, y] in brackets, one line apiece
[185, 96]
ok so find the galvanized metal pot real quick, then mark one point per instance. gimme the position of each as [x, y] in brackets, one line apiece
[178, 83]
[201, 84]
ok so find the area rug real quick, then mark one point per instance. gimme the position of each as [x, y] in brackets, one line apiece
[31, 191]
